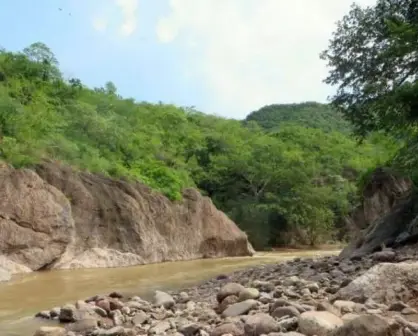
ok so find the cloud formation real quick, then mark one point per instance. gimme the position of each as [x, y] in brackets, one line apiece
[129, 9]
[99, 24]
[250, 53]
[128, 13]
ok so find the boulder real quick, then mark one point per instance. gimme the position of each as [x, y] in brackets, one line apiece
[227, 328]
[231, 288]
[367, 325]
[259, 324]
[240, 308]
[384, 283]
[318, 323]
[163, 299]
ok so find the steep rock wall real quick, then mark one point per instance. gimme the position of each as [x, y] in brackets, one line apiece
[384, 216]
[55, 217]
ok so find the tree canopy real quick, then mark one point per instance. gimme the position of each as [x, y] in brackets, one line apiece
[373, 57]
[373, 61]
[291, 184]
[309, 114]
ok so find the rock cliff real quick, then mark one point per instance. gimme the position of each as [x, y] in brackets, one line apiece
[387, 215]
[54, 217]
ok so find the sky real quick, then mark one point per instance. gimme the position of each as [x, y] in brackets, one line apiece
[225, 57]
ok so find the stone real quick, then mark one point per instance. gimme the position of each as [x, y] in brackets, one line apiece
[183, 297]
[227, 328]
[163, 299]
[83, 326]
[50, 331]
[290, 323]
[160, 327]
[279, 303]
[259, 324]
[189, 329]
[115, 304]
[313, 287]
[383, 283]
[101, 312]
[239, 308]
[229, 300]
[349, 316]
[367, 325]
[44, 315]
[409, 311]
[68, 313]
[345, 306]
[117, 317]
[104, 304]
[116, 295]
[285, 311]
[248, 293]
[291, 281]
[263, 286]
[140, 318]
[55, 312]
[384, 256]
[115, 331]
[265, 298]
[318, 323]
[326, 306]
[397, 306]
[231, 288]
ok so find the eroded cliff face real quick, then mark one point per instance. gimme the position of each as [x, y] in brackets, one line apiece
[386, 215]
[54, 217]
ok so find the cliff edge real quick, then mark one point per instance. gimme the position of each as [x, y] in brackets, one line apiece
[387, 216]
[53, 217]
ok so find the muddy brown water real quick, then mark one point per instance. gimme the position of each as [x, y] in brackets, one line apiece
[27, 294]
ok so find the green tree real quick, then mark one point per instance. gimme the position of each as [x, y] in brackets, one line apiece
[372, 56]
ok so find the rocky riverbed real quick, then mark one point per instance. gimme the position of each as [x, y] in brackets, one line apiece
[376, 295]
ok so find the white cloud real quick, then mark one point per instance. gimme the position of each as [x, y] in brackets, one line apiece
[250, 53]
[128, 10]
[99, 24]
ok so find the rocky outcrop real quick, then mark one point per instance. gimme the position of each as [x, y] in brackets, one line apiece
[55, 217]
[386, 216]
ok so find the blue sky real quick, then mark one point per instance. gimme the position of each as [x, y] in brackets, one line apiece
[226, 57]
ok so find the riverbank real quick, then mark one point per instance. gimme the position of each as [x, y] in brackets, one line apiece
[26, 294]
[374, 295]
[321, 247]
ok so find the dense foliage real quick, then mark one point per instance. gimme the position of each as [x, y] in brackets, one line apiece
[288, 185]
[373, 57]
[310, 114]
[373, 61]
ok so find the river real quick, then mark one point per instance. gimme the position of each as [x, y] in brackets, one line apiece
[25, 295]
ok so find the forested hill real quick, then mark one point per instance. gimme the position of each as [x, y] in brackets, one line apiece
[291, 185]
[309, 114]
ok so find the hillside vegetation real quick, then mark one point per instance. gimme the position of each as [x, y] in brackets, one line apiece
[309, 114]
[288, 185]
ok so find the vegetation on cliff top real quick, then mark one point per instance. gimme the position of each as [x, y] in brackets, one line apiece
[290, 183]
